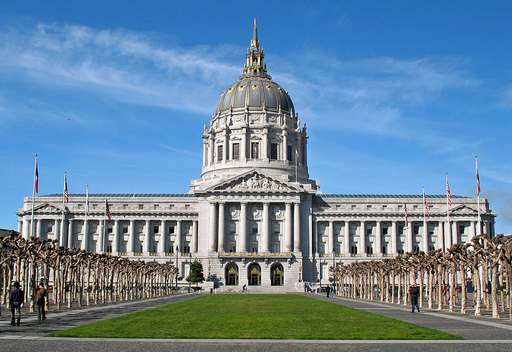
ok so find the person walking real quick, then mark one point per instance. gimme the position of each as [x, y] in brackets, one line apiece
[414, 293]
[40, 298]
[16, 297]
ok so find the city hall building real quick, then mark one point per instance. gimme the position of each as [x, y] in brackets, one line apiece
[254, 217]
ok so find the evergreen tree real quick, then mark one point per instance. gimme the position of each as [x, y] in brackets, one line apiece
[196, 272]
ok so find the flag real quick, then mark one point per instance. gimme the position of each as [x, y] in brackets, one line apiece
[477, 178]
[36, 178]
[66, 194]
[86, 200]
[108, 214]
[425, 203]
[448, 192]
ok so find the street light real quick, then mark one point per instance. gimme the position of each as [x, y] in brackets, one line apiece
[189, 271]
[334, 271]
[177, 268]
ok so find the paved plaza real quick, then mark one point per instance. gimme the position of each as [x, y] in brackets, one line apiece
[479, 335]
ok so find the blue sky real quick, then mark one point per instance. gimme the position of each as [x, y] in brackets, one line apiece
[395, 94]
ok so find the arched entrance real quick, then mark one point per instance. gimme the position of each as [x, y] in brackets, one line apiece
[254, 274]
[276, 275]
[231, 274]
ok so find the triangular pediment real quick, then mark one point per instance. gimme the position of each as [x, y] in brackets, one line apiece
[253, 181]
[463, 209]
[47, 208]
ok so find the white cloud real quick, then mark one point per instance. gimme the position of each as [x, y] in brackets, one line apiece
[373, 95]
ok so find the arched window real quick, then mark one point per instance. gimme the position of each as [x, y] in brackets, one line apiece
[231, 274]
[254, 274]
[277, 275]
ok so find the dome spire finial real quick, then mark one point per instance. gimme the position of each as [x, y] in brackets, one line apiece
[255, 42]
[254, 64]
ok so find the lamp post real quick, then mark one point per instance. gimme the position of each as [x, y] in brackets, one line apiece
[189, 271]
[334, 271]
[177, 267]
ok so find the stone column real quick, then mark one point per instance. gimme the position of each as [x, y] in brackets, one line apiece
[408, 237]
[265, 228]
[147, 234]
[448, 234]
[346, 238]
[424, 239]
[101, 239]
[287, 228]
[378, 238]
[38, 227]
[440, 236]
[63, 233]
[131, 238]
[264, 149]
[58, 234]
[394, 238]
[225, 149]
[178, 237]
[221, 227]
[195, 239]
[115, 239]
[211, 150]
[243, 146]
[284, 154]
[213, 228]
[474, 226]
[243, 228]
[26, 228]
[85, 241]
[362, 238]
[331, 248]
[71, 242]
[296, 227]
[315, 236]
[163, 237]
[455, 232]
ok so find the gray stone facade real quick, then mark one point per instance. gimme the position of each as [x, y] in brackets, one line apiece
[254, 217]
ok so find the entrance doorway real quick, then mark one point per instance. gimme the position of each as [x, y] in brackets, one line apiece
[277, 275]
[231, 274]
[254, 274]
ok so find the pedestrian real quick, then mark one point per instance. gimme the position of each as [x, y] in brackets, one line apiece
[16, 297]
[414, 293]
[328, 291]
[40, 298]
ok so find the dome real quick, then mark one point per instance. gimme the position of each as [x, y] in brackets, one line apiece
[255, 88]
[255, 93]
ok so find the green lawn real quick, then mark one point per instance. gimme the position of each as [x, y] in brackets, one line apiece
[235, 316]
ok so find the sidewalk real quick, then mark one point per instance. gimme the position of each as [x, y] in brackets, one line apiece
[30, 326]
[460, 325]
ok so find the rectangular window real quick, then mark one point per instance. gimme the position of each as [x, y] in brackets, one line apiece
[171, 229]
[125, 206]
[125, 229]
[109, 230]
[155, 229]
[289, 155]
[220, 151]
[155, 206]
[141, 206]
[368, 232]
[273, 151]
[255, 150]
[236, 152]
[385, 231]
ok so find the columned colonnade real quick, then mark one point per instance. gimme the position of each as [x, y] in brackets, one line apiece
[444, 235]
[118, 232]
[292, 225]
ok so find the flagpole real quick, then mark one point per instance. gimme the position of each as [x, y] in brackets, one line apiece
[32, 225]
[478, 197]
[104, 240]
[449, 229]
[61, 239]
[85, 242]
[425, 225]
